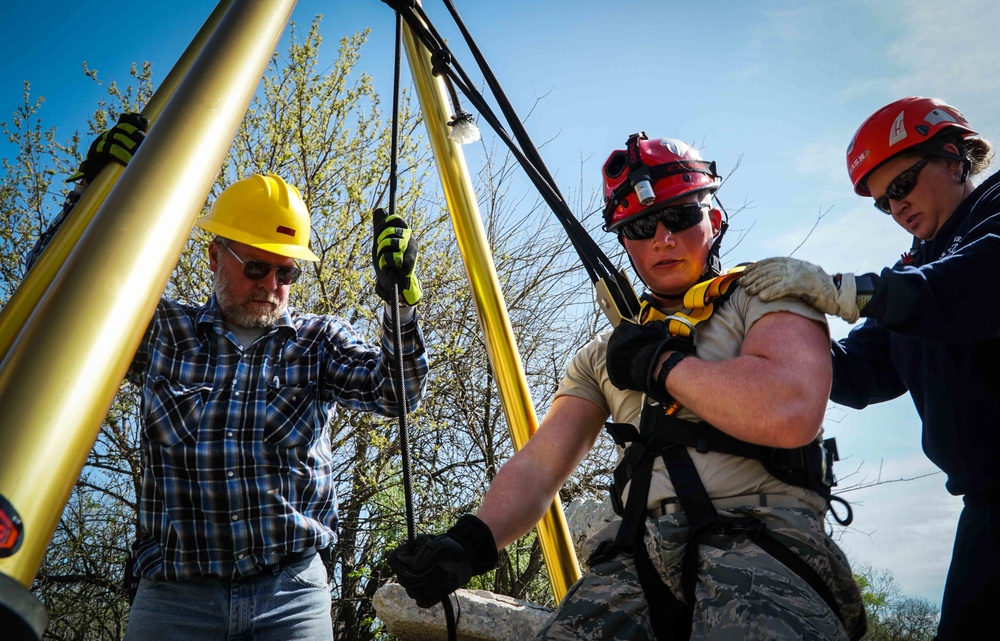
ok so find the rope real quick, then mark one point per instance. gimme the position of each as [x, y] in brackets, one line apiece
[599, 267]
[404, 432]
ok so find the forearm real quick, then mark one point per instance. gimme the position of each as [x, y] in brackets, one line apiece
[943, 301]
[509, 508]
[527, 483]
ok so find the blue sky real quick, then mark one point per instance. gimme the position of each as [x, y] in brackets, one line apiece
[777, 86]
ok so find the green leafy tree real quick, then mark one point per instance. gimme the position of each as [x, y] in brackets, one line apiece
[893, 616]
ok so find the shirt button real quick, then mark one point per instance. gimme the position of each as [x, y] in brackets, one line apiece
[229, 473]
[236, 394]
[236, 517]
[241, 555]
[229, 433]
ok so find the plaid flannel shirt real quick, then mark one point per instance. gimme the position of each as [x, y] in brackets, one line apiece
[237, 459]
[237, 462]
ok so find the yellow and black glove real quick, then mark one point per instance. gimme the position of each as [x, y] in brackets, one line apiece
[394, 256]
[116, 144]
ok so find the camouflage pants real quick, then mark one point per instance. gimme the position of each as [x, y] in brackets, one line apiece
[742, 592]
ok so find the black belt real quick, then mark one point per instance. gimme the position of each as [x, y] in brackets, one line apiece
[289, 559]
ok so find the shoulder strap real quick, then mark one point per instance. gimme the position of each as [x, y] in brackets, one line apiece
[700, 300]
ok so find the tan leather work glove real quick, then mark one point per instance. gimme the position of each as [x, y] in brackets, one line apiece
[775, 278]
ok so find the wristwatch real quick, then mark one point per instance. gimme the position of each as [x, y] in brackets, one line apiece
[668, 365]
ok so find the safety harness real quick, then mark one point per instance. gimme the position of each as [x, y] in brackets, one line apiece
[700, 299]
[663, 435]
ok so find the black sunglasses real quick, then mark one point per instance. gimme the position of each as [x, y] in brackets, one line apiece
[901, 185]
[257, 269]
[675, 218]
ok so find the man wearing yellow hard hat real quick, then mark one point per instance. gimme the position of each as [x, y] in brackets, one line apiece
[238, 505]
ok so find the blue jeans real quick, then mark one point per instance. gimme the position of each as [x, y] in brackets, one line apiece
[292, 605]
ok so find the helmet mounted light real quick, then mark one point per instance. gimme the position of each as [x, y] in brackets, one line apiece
[648, 174]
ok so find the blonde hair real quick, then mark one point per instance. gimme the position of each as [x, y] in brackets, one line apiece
[980, 153]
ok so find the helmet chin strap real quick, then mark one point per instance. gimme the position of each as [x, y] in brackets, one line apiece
[713, 266]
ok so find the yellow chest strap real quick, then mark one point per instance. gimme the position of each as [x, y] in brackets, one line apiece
[699, 300]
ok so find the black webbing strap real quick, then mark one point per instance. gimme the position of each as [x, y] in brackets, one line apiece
[801, 466]
[760, 535]
[669, 617]
[701, 514]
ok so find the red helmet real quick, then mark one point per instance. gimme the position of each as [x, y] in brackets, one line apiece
[649, 174]
[896, 127]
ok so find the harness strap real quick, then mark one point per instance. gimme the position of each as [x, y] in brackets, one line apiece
[760, 535]
[702, 517]
[700, 299]
[809, 466]
[658, 437]
[698, 508]
[662, 435]
[668, 616]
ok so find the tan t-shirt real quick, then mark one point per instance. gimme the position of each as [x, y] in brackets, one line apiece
[719, 338]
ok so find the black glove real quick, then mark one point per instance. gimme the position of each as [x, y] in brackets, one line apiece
[633, 352]
[394, 256]
[118, 143]
[432, 567]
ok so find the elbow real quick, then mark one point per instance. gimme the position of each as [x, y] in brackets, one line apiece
[797, 423]
[804, 407]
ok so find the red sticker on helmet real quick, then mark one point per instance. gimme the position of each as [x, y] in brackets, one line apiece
[288, 231]
[11, 528]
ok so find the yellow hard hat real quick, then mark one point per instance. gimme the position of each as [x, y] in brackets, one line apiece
[264, 212]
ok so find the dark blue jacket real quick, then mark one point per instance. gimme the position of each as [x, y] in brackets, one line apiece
[933, 328]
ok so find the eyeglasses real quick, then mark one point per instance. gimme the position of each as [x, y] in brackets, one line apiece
[257, 269]
[676, 218]
[901, 185]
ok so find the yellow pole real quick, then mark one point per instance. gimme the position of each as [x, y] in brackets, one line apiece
[61, 374]
[15, 313]
[553, 533]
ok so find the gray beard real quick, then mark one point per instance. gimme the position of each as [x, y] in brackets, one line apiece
[235, 311]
